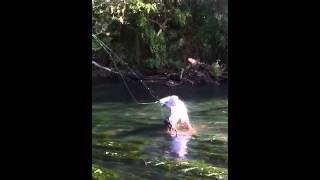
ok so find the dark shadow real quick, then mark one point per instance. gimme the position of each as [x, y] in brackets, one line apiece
[116, 92]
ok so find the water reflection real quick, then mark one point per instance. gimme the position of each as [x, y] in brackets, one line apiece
[140, 133]
[179, 146]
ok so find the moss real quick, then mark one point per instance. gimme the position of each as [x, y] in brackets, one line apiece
[183, 169]
[99, 173]
[115, 155]
[116, 151]
[190, 169]
[211, 148]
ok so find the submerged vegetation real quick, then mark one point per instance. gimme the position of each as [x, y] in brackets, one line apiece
[129, 142]
[156, 37]
[99, 173]
[184, 169]
[132, 153]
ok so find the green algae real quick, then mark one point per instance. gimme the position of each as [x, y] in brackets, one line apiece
[191, 169]
[99, 173]
[128, 142]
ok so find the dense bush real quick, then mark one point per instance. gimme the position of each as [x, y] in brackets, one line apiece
[159, 35]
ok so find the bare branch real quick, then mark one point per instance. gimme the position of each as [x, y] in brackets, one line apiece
[162, 26]
[105, 68]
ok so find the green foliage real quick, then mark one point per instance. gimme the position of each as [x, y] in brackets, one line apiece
[209, 27]
[180, 17]
[139, 6]
[156, 43]
[142, 21]
[152, 64]
[216, 70]
[213, 28]
[176, 65]
[162, 30]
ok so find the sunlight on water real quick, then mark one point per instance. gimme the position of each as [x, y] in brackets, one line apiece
[130, 139]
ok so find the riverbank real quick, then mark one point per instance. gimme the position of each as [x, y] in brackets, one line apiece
[113, 90]
[191, 75]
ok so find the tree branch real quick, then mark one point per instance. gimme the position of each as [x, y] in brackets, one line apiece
[105, 68]
[161, 26]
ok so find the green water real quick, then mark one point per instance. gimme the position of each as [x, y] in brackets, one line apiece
[129, 140]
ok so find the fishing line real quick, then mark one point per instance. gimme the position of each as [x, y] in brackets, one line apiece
[110, 53]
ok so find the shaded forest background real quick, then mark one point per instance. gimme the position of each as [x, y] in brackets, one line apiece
[157, 37]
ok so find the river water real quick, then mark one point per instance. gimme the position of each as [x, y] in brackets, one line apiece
[129, 140]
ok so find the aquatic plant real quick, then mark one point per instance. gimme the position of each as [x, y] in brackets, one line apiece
[190, 169]
[100, 173]
[115, 151]
[129, 153]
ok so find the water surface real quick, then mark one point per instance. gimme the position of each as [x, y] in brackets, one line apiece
[129, 140]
